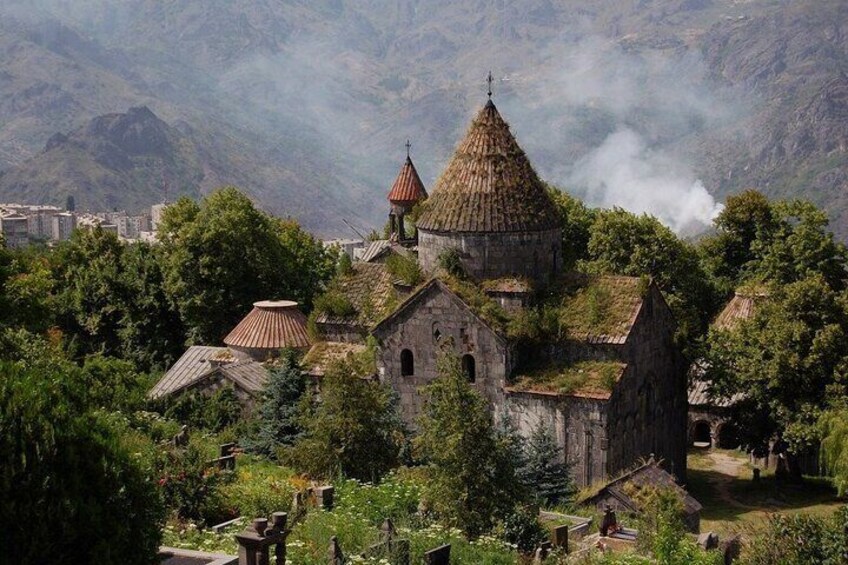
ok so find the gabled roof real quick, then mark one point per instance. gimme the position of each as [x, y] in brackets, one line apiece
[194, 364]
[432, 285]
[601, 309]
[489, 185]
[369, 289]
[408, 187]
[201, 362]
[740, 308]
[625, 487]
[271, 325]
[375, 250]
[699, 391]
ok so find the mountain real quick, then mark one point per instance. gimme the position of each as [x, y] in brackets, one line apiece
[656, 105]
[127, 160]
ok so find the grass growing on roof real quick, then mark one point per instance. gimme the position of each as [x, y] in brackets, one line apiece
[572, 378]
[596, 305]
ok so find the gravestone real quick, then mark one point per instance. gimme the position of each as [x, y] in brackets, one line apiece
[334, 552]
[255, 543]
[559, 537]
[396, 551]
[438, 556]
[324, 497]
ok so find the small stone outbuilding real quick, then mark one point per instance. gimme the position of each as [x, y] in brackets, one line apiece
[627, 493]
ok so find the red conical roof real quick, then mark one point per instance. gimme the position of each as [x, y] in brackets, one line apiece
[408, 187]
[271, 325]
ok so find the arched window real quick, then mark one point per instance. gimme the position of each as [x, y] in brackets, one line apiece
[469, 367]
[407, 365]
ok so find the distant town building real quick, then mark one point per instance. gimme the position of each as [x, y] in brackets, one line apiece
[63, 224]
[15, 231]
[348, 246]
[129, 227]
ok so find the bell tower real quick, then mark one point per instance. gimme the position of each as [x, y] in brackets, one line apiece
[406, 192]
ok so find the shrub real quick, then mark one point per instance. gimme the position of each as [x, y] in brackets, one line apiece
[198, 411]
[799, 539]
[522, 529]
[450, 261]
[190, 484]
[404, 268]
[258, 489]
[73, 490]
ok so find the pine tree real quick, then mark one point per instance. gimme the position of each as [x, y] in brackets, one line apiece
[544, 471]
[276, 420]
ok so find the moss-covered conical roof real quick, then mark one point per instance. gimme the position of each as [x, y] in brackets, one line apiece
[489, 185]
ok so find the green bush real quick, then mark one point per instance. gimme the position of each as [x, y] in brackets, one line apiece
[259, 489]
[190, 485]
[199, 411]
[522, 529]
[450, 262]
[355, 431]
[334, 303]
[404, 268]
[73, 489]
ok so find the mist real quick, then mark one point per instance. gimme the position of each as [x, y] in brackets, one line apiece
[611, 124]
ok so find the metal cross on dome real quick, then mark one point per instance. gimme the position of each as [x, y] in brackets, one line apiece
[408, 146]
[489, 79]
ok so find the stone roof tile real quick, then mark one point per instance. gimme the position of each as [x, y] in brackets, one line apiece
[489, 185]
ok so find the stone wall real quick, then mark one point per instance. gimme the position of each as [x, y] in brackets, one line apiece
[345, 333]
[579, 426]
[648, 408]
[535, 255]
[437, 318]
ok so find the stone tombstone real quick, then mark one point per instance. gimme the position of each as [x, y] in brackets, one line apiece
[542, 553]
[438, 556]
[396, 551]
[730, 549]
[334, 552]
[324, 497]
[559, 537]
[708, 540]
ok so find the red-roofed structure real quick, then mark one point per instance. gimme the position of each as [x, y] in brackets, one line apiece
[406, 192]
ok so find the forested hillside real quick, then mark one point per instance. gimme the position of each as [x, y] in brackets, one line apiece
[653, 105]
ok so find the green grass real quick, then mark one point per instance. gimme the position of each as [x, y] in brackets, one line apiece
[360, 509]
[573, 378]
[752, 502]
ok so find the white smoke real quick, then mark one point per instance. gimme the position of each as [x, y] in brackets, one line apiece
[624, 172]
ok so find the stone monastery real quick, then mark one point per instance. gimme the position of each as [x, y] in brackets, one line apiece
[487, 245]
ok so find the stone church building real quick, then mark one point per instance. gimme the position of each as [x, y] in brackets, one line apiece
[611, 384]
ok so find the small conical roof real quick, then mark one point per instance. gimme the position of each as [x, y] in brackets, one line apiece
[408, 187]
[489, 185]
[271, 325]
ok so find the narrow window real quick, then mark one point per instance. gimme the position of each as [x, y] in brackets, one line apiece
[469, 368]
[407, 365]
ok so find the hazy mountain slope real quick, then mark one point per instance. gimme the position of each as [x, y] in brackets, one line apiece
[307, 104]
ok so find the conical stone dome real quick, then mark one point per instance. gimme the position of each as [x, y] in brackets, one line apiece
[489, 185]
[491, 207]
